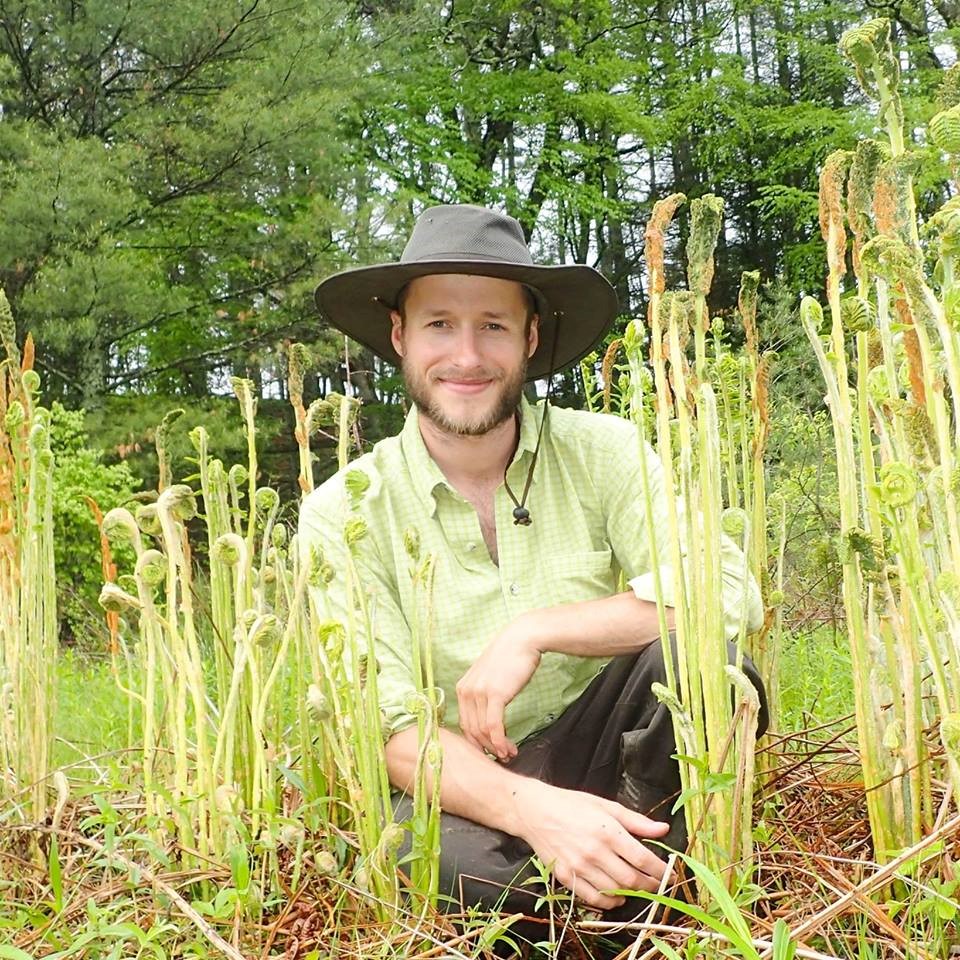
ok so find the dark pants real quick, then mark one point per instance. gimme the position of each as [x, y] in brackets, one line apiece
[616, 741]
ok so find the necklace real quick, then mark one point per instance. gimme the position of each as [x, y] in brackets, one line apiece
[521, 515]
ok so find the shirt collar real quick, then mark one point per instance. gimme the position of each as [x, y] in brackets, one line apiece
[425, 473]
[529, 427]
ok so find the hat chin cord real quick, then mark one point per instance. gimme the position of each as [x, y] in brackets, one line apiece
[521, 514]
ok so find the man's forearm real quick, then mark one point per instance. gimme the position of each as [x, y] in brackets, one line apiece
[472, 785]
[609, 627]
[590, 843]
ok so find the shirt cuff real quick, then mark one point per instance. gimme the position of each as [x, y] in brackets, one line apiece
[644, 586]
[395, 719]
[732, 600]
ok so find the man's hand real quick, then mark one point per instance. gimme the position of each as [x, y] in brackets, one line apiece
[495, 678]
[589, 842]
[607, 627]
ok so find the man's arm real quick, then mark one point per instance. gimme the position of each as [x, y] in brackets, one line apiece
[589, 842]
[607, 627]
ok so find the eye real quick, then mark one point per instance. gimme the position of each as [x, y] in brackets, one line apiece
[437, 324]
[493, 325]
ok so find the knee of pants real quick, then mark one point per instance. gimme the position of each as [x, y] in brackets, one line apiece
[654, 659]
[478, 866]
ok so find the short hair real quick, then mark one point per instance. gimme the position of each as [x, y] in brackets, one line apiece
[529, 296]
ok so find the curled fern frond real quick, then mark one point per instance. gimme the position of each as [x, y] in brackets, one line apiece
[868, 48]
[857, 314]
[892, 260]
[811, 314]
[893, 202]
[678, 307]
[832, 179]
[706, 218]
[945, 224]
[944, 129]
[948, 94]
[653, 238]
[867, 158]
[8, 331]
[747, 305]
[878, 71]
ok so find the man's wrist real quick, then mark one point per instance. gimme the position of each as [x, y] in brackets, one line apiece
[525, 795]
[533, 627]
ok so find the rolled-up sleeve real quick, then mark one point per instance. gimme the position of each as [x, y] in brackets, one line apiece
[630, 538]
[323, 516]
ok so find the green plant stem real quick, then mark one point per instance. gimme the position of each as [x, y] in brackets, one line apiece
[835, 373]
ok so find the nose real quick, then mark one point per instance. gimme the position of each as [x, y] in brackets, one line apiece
[466, 352]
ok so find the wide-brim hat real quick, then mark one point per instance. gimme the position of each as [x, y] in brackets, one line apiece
[575, 303]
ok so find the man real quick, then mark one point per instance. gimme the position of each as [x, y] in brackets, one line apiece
[553, 743]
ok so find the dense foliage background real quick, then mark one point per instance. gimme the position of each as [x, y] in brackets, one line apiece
[176, 176]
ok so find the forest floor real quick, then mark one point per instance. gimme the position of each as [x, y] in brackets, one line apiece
[90, 883]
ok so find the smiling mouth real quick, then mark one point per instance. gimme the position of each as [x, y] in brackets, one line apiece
[466, 386]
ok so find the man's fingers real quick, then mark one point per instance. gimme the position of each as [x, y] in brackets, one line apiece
[588, 892]
[474, 724]
[620, 874]
[646, 869]
[493, 729]
[481, 722]
[467, 708]
[650, 868]
[638, 824]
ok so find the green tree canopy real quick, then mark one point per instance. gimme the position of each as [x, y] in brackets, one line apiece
[172, 180]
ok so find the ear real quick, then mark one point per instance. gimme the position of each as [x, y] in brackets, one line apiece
[396, 332]
[533, 338]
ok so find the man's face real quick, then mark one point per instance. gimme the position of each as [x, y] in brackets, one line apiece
[465, 342]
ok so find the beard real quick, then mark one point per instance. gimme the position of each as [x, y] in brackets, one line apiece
[500, 408]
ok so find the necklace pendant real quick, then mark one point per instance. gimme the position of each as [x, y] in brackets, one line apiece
[521, 517]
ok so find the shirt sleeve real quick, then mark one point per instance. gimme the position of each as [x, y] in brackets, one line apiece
[322, 520]
[628, 535]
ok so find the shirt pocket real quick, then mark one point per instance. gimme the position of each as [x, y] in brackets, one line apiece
[571, 577]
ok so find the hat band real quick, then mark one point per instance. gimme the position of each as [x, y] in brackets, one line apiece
[467, 257]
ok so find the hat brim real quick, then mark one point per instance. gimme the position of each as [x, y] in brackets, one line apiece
[358, 303]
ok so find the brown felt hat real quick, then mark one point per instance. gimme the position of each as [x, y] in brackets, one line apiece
[473, 240]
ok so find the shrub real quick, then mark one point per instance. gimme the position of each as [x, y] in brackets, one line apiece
[81, 473]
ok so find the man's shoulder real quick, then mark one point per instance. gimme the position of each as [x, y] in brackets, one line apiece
[600, 433]
[365, 475]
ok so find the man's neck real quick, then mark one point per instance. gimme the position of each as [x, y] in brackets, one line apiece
[471, 462]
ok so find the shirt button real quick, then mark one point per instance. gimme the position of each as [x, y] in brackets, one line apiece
[470, 546]
[514, 589]
[550, 717]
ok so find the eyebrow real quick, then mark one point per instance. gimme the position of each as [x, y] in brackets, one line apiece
[486, 314]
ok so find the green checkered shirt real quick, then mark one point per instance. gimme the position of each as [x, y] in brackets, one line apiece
[588, 526]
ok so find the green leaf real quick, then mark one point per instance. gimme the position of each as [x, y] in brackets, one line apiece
[13, 953]
[240, 868]
[666, 949]
[783, 947]
[699, 763]
[292, 777]
[894, 907]
[56, 874]
[736, 927]
[688, 909]
[718, 782]
[685, 795]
